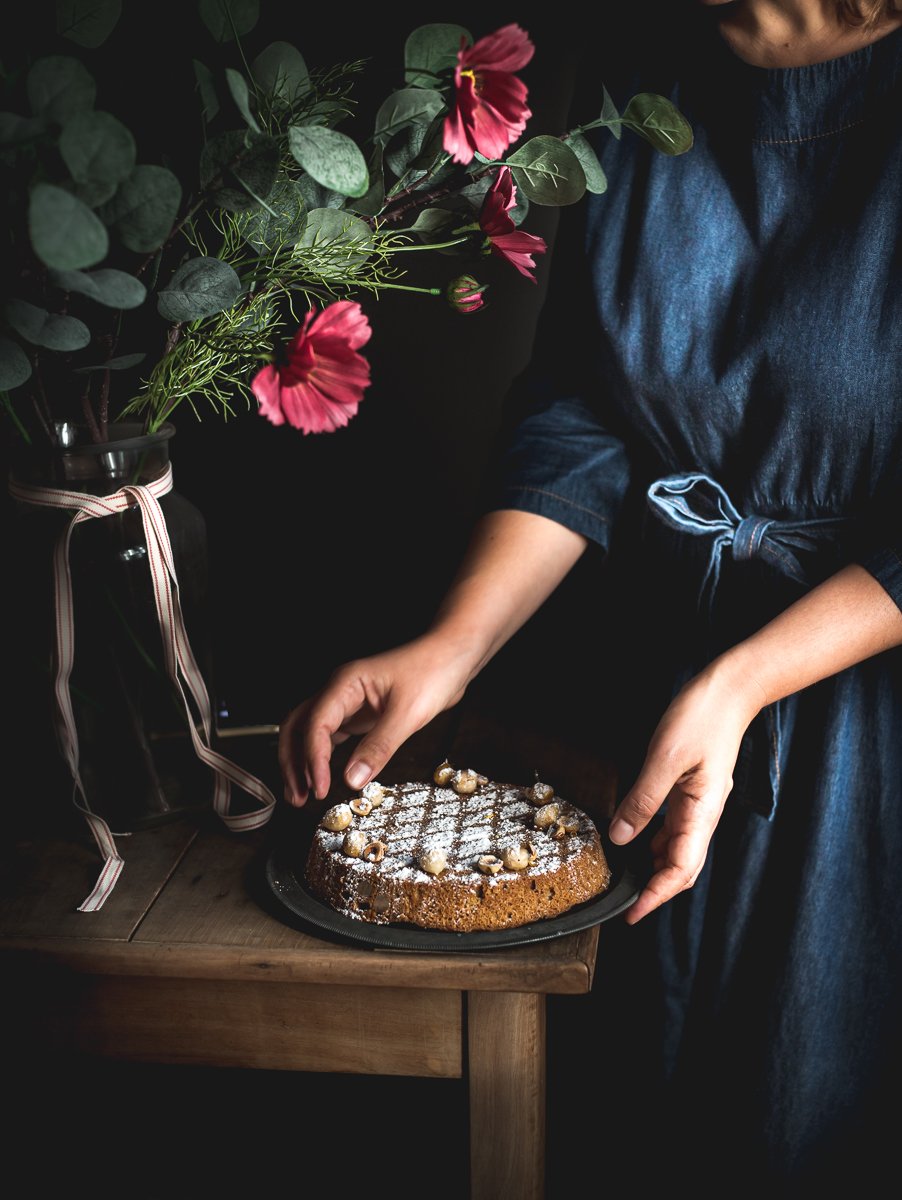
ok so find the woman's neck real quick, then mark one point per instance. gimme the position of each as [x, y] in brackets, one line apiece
[794, 33]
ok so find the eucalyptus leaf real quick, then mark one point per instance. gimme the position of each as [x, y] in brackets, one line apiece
[58, 87]
[64, 232]
[330, 157]
[373, 199]
[548, 171]
[660, 122]
[207, 90]
[238, 166]
[110, 287]
[269, 231]
[432, 220]
[144, 208]
[228, 19]
[88, 23]
[316, 196]
[609, 114]
[242, 97]
[405, 107]
[280, 71]
[199, 288]
[14, 130]
[122, 362]
[340, 239]
[15, 369]
[43, 328]
[596, 180]
[99, 152]
[431, 50]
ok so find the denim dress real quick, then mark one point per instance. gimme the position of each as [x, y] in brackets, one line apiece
[715, 402]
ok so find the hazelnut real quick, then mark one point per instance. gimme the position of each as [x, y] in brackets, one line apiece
[465, 782]
[353, 843]
[361, 806]
[546, 815]
[374, 851]
[539, 793]
[443, 773]
[515, 858]
[373, 792]
[338, 817]
[433, 860]
[489, 864]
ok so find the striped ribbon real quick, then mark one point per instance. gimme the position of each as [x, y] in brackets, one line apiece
[180, 662]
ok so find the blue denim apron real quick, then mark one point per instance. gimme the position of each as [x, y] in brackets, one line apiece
[715, 400]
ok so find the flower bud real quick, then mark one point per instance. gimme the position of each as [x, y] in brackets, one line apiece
[465, 294]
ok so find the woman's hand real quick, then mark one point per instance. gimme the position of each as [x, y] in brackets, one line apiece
[691, 757]
[383, 699]
[689, 764]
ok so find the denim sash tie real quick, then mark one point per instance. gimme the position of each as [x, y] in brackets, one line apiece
[696, 504]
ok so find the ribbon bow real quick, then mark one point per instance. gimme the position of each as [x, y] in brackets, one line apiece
[179, 660]
[698, 505]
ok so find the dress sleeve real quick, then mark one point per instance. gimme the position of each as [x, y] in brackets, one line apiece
[556, 454]
[885, 564]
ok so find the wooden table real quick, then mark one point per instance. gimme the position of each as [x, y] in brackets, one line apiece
[187, 963]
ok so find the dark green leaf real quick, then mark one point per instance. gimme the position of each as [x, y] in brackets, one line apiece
[609, 114]
[349, 238]
[121, 363]
[88, 23]
[373, 198]
[239, 166]
[548, 171]
[405, 107]
[430, 50]
[280, 70]
[207, 91]
[660, 122]
[64, 232]
[144, 208]
[199, 288]
[267, 232]
[112, 288]
[15, 368]
[241, 95]
[14, 130]
[42, 328]
[99, 152]
[431, 220]
[331, 157]
[596, 180]
[58, 87]
[228, 19]
[315, 195]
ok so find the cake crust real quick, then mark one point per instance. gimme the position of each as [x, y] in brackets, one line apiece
[489, 856]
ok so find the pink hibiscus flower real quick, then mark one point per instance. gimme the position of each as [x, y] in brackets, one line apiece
[321, 379]
[489, 107]
[505, 239]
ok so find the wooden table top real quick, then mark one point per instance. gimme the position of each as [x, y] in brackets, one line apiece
[192, 901]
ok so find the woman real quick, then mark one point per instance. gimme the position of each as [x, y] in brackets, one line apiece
[717, 372]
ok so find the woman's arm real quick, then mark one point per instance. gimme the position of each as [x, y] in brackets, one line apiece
[693, 751]
[515, 561]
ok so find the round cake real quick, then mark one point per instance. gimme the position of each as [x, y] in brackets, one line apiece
[460, 853]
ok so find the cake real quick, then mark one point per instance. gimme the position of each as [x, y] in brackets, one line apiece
[459, 853]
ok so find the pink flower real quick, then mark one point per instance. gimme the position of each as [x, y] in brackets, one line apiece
[465, 294]
[489, 107]
[505, 239]
[321, 379]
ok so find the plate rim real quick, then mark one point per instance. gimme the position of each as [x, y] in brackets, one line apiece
[314, 916]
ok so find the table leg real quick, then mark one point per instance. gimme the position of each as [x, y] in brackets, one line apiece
[506, 1071]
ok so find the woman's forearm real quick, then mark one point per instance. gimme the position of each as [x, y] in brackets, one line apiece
[841, 622]
[514, 562]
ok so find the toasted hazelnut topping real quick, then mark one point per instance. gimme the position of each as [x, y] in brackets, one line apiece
[546, 815]
[374, 851]
[465, 782]
[533, 853]
[361, 806]
[539, 793]
[515, 858]
[562, 826]
[338, 817]
[374, 792]
[443, 773]
[434, 860]
[489, 864]
[353, 843]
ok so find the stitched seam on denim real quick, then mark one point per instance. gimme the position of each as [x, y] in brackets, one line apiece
[569, 503]
[814, 137]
